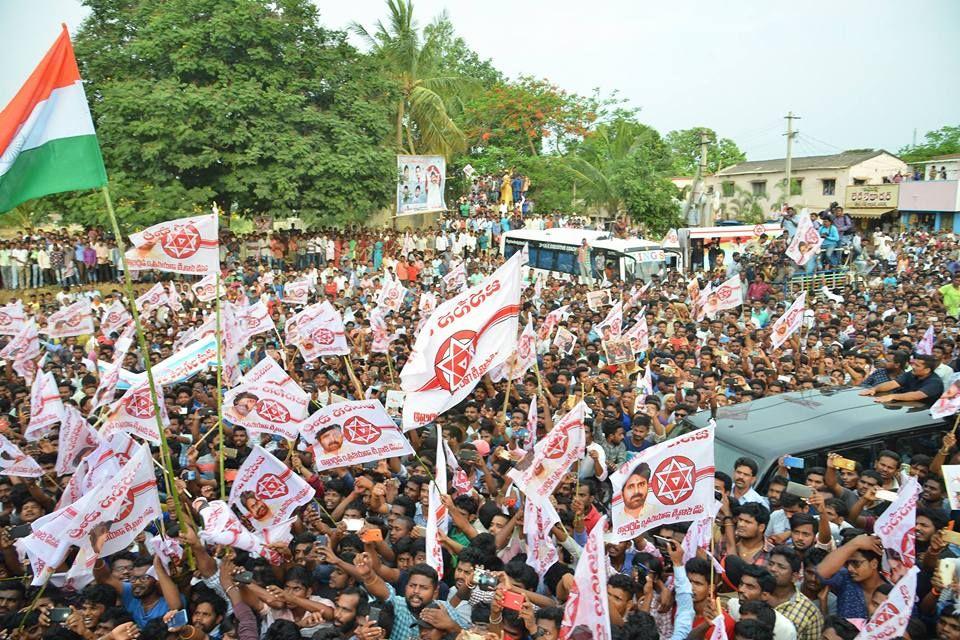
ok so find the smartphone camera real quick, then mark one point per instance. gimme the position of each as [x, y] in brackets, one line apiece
[484, 580]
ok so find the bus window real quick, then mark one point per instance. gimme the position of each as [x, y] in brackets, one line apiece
[510, 248]
[566, 262]
[636, 270]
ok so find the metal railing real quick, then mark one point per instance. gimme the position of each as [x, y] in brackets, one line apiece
[814, 283]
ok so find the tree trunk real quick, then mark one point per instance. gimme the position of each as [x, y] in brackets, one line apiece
[413, 150]
[400, 125]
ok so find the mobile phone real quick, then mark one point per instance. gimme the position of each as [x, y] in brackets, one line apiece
[844, 463]
[666, 541]
[244, 577]
[905, 468]
[372, 535]
[792, 462]
[59, 615]
[888, 496]
[189, 475]
[20, 531]
[512, 600]
[797, 489]
[950, 537]
[946, 568]
[353, 524]
[178, 620]
[374, 614]
[182, 411]
[229, 452]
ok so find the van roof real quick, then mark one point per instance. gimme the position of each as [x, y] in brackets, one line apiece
[595, 238]
[796, 422]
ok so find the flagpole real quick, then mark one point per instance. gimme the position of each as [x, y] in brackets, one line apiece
[142, 342]
[223, 481]
[353, 377]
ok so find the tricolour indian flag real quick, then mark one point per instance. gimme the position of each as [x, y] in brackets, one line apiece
[47, 140]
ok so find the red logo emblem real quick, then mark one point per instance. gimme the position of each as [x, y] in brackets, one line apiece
[323, 336]
[908, 550]
[181, 242]
[759, 230]
[5, 318]
[523, 347]
[139, 405]
[272, 411]
[452, 363]
[674, 480]
[113, 318]
[270, 487]
[360, 430]
[884, 614]
[724, 292]
[128, 501]
[557, 447]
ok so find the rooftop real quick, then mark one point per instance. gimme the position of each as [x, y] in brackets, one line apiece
[834, 161]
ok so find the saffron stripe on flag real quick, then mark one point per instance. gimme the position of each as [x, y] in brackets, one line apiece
[57, 69]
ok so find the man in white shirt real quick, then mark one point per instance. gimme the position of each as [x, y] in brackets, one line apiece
[744, 475]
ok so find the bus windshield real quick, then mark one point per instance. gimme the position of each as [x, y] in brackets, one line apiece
[642, 265]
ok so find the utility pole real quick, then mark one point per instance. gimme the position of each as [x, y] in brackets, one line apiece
[697, 180]
[790, 133]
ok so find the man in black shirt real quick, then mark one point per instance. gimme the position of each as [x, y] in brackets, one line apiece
[920, 384]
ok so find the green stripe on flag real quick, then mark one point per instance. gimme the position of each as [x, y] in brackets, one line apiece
[64, 164]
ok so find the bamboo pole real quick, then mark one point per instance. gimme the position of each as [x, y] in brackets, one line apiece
[142, 342]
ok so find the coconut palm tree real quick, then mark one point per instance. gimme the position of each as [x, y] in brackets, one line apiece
[746, 207]
[411, 60]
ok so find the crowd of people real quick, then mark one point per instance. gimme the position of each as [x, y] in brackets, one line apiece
[356, 567]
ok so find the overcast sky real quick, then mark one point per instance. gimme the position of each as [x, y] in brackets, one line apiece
[860, 73]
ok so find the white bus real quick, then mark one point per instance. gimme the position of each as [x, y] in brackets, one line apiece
[554, 251]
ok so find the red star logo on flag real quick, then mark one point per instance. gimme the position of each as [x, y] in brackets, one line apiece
[272, 411]
[884, 614]
[453, 359]
[5, 318]
[323, 336]
[557, 447]
[139, 405]
[181, 242]
[673, 481]
[270, 487]
[360, 430]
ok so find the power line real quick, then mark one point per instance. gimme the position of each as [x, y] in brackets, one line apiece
[826, 144]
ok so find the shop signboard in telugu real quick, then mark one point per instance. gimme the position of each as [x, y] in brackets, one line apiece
[420, 184]
[872, 196]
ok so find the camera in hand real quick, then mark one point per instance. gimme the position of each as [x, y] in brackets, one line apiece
[485, 580]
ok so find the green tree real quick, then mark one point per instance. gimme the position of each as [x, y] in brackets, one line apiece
[746, 207]
[455, 56]
[622, 168]
[685, 148]
[247, 103]
[415, 65]
[935, 143]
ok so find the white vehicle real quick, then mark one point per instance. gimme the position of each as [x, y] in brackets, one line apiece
[554, 252]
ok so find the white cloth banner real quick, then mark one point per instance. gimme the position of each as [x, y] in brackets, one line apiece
[267, 490]
[206, 288]
[438, 520]
[639, 335]
[297, 292]
[612, 325]
[805, 243]
[222, 527]
[267, 400]
[114, 318]
[24, 346]
[46, 407]
[353, 432]
[76, 439]
[13, 319]
[152, 298]
[538, 522]
[890, 619]
[75, 320]
[391, 295]
[135, 414]
[14, 462]
[462, 340]
[323, 334]
[896, 528]
[586, 613]
[186, 245]
[541, 470]
[666, 483]
[789, 322]
[728, 295]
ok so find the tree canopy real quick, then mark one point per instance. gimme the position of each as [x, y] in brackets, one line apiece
[255, 105]
[935, 143]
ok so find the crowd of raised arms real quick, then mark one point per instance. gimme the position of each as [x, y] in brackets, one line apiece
[354, 564]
